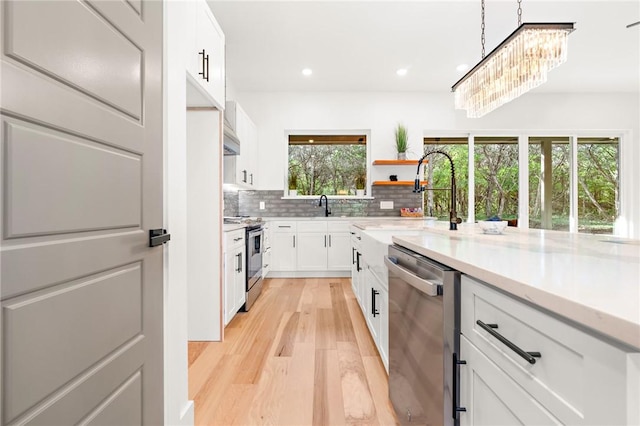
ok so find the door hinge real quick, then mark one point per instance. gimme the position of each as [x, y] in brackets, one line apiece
[158, 237]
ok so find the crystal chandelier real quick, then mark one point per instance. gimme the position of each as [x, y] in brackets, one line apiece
[519, 64]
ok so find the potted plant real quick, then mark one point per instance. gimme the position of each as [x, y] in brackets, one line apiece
[293, 182]
[402, 137]
[361, 181]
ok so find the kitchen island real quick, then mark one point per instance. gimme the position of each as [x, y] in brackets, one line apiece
[549, 324]
[593, 280]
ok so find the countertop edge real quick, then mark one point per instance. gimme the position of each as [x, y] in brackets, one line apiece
[619, 329]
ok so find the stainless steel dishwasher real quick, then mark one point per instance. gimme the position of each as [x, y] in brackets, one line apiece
[424, 339]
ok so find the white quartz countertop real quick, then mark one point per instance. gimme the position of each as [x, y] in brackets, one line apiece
[593, 280]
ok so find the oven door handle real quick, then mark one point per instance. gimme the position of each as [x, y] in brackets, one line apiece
[425, 286]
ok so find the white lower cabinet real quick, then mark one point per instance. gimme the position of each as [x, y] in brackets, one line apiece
[312, 251]
[526, 366]
[310, 247]
[492, 398]
[234, 273]
[283, 246]
[376, 312]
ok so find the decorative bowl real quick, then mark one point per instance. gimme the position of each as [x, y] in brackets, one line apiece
[493, 227]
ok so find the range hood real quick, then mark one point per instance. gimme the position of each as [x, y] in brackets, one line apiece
[231, 142]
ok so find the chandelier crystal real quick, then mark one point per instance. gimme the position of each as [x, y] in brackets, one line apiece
[520, 63]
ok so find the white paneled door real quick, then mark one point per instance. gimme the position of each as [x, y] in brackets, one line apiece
[81, 158]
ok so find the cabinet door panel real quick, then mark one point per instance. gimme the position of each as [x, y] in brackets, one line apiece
[339, 254]
[230, 266]
[312, 251]
[492, 398]
[283, 257]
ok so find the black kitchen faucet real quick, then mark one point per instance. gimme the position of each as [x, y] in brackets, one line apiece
[454, 220]
[327, 212]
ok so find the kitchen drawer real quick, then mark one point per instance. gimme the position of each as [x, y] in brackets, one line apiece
[312, 226]
[283, 226]
[578, 377]
[234, 238]
[334, 227]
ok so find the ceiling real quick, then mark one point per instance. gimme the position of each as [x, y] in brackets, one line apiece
[358, 45]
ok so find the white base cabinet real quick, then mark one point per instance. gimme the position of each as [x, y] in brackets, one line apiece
[573, 377]
[234, 273]
[372, 294]
[310, 248]
[283, 246]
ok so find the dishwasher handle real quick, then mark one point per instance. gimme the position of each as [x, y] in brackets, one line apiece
[425, 286]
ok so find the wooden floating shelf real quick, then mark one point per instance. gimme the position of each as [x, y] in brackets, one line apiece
[395, 162]
[397, 183]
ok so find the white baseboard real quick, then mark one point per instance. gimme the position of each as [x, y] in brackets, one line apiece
[188, 415]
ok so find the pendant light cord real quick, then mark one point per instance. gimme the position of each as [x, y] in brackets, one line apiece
[482, 27]
[519, 12]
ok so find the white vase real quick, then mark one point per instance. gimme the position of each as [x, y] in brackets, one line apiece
[293, 192]
[402, 156]
[360, 192]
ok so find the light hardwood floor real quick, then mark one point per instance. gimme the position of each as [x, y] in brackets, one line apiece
[301, 356]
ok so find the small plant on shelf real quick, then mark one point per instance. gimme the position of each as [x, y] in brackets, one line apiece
[402, 141]
[293, 182]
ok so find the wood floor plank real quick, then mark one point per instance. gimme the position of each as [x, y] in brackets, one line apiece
[209, 396]
[269, 396]
[307, 324]
[285, 362]
[287, 340]
[298, 394]
[341, 317]
[379, 386]
[322, 296]
[327, 393]
[195, 349]
[325, 329]
[358, 403]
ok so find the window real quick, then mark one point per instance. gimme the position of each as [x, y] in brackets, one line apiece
[573, 182]
[496, 177]
[327, 164]
[549, 174]
[598, 194]
[437, 173]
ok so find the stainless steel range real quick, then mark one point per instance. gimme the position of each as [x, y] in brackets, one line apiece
[254, 238]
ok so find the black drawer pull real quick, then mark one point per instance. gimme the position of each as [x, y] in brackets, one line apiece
[374, 293]
[490, 328]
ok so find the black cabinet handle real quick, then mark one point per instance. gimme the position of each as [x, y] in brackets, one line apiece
[530, 357]
[455, 391]
[358, 268]
[244, 176]
[294, 240]
[251, 179]
[205, 65]
[329, 240]
[325, 240]
[353, 255]
[374, 293]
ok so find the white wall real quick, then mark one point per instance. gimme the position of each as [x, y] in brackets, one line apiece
[429, 113]
[178, 408]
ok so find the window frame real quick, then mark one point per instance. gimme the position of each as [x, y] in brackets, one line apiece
[293, 132]
[523, 167]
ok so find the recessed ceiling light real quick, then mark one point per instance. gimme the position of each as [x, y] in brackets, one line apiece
[311, 141]
[307, 71]
[462, 67]
[402, 71]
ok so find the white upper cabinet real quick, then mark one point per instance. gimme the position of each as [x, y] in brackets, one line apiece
[242, 169]
[205, 56]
